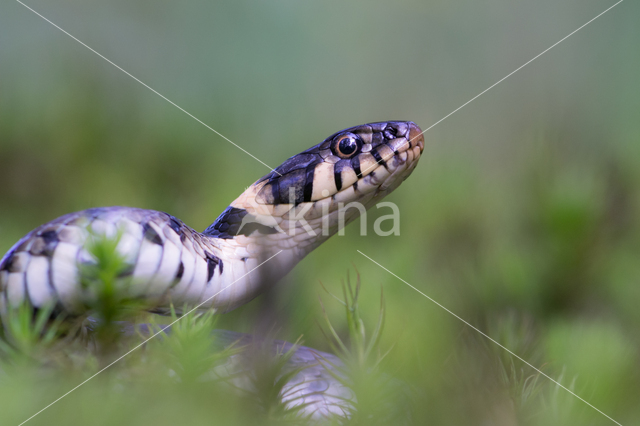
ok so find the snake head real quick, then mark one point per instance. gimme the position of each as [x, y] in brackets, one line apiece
[359, 159]
[360, 164]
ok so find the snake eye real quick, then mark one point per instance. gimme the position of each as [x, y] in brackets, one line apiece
[390, 132]
[347, 145]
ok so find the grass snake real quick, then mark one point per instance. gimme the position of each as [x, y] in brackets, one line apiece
[281, 218]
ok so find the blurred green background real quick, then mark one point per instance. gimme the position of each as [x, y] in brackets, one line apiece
[522, 218]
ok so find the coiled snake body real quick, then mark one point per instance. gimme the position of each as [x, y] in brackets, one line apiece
[270, 227]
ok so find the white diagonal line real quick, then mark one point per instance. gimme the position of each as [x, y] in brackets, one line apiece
[152, 89]
[146, 340]
[499, 81]
[494, 341]
[516, 70]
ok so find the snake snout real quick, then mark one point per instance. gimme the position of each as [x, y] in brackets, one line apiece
[416, 136]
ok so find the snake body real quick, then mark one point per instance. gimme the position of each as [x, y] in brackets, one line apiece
[257, 240]
[316, 390]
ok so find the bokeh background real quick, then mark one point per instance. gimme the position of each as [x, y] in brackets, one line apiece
[523, 216]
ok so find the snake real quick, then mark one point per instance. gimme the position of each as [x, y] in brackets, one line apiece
[253, 243]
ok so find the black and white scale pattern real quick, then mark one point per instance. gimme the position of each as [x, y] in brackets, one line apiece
[318, 389]
[161, 252]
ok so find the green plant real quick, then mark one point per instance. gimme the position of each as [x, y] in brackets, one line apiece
[27, 332]
[189, 348]
[375, 392]
[107, 292]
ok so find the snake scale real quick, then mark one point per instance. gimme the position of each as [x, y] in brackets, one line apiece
[256, 240]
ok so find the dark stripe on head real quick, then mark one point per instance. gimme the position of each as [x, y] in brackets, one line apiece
[355, 163]
[337, 173]
[291, 187]
[276, 192]
[337, 176]
[378, 157]
[308, 184]
[297, 162]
